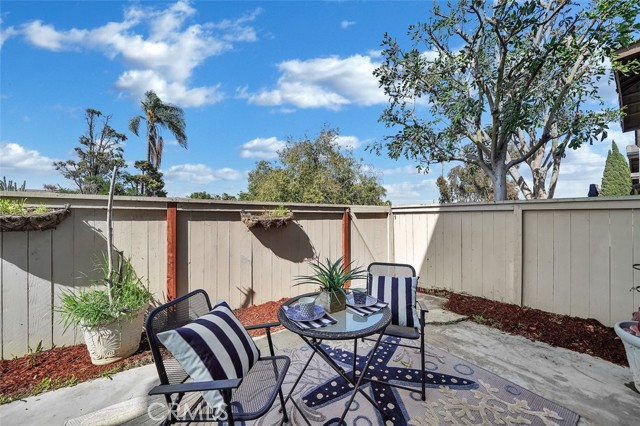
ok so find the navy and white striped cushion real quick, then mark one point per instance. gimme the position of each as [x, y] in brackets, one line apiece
[213, 347]
[400, 294]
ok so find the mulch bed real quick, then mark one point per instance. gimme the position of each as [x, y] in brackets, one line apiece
[65, 366]
[587, 336]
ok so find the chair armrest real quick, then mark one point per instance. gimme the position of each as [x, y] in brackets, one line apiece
[195, 387]
[267, 325]
[423, 312]
[422, 306]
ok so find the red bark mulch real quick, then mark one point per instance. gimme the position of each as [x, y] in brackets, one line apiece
[40, 372]
[587, 336]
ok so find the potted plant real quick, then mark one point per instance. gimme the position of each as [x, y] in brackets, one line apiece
[111, 313]
[16, 216]
[274, 218]
[331, 278]
[629, 333]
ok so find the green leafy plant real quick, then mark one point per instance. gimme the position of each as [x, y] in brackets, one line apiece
[120, 292]
[18, 207]
[331, 276]
[92, 307]
[280, 211]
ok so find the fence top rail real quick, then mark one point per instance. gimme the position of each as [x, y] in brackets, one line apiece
[586, 203]
[82, 201]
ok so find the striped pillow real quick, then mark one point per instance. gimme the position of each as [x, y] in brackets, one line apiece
[213, 347]
[400, 294]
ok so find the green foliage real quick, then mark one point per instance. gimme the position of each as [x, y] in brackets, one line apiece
[469, 184]
[502, 84]
[159, 115]
[90, 307]
[18, 207]
[11, 185]
[99, 151]
[616, 179]
[201, 195]
[314, 171]
[148, 183]
[331, 276]
[280, 211]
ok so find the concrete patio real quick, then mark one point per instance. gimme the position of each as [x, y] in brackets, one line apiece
[592, 387]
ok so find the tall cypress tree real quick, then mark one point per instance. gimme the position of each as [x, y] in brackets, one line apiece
[616, 179]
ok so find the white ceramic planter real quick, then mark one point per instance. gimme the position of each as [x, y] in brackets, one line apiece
[116, 340]
[632, 347]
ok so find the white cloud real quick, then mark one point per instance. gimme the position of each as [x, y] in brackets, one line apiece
[6, 33]
[264, 148]
[346, 24]
[412, 192]
[404, 170]
[163, 61]
[348, 142]
[16, 160]
[323, 83]
[137, 82]
[200, 173]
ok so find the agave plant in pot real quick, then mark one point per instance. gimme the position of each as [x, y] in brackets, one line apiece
[111, 312]
[331, 277]
[629, 333]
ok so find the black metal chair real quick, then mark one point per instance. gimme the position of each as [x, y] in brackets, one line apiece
[245, 398]
[396, 330]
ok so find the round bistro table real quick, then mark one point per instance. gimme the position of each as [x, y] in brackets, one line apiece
[349, 326]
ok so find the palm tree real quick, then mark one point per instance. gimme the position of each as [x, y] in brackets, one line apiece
[159, 115]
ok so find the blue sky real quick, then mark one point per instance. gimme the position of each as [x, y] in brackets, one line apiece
[249, 75]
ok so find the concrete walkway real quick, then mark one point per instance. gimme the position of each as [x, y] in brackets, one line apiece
[593, 388]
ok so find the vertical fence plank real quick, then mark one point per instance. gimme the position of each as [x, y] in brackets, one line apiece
[599, 297]
[466, 252]
[476, 253]
[500, 225]
[621, 265]
[488, 272]
[15, 299]
[208, 260]
[63, 273]
[545, 286]
[530, 258]
[222, 278]
[40, 290]
[562, 262]
[456, 252]
[579, 268]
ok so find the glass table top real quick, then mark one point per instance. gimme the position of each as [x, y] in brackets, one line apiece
[349, 326]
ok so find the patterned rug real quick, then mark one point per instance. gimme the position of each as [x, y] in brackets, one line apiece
[458, 392]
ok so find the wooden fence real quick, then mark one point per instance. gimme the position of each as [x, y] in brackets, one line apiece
[570, 257]
[214, 251]
[566, 256]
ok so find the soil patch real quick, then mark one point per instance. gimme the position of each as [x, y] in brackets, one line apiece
[66, 366]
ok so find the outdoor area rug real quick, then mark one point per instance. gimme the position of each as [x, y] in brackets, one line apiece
[458, 392]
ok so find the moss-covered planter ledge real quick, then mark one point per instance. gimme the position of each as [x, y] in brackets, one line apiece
[265, 221]
[34, 221]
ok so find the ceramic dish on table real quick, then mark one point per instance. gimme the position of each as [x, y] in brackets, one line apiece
[370, 301]
[294, 313]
